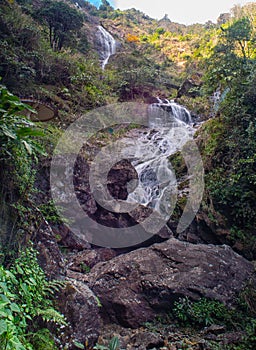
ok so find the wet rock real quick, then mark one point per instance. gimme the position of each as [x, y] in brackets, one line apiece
[80, 307]
[135, 287]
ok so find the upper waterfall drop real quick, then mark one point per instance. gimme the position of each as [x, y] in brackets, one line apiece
[170, 128]
[107, 45]
[180, 113]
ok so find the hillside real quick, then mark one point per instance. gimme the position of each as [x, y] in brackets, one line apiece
[128, 188]
[144, 46]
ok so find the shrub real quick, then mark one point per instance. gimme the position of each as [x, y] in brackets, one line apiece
[25, 298]
[203, 312]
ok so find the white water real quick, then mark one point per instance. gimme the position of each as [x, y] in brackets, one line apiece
[170, 130]
[107, 45]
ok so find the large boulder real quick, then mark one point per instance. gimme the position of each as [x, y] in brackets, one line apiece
[81, 309]
[50, 257]
[135, 287]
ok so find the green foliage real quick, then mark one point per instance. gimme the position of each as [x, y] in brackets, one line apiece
[25, 296]
[16, 131]
[249, 341]
[209, 137]
[33, 289]
[49, 212]
[62, 21]
[12, 320]
[105, 5]
[19, 152]
[229, 143]
[42, 340]
[113, 345]
[137, 76]
[85, 268]
[203, 312]
[230, 62]
[239, 33]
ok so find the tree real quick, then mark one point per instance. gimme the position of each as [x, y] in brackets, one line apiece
[239, 34]
[105, 6]
[62, 21]
[231, 61]
[223, 18]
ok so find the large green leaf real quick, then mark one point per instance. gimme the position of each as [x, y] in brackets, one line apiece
[114, 344]
[3, 327]
[14, 307]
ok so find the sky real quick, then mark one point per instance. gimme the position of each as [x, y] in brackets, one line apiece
[181, 11]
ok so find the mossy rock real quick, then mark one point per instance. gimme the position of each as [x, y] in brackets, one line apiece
[178, 164]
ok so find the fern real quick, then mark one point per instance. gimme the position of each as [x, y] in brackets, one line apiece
[54, 286]
[51, 315]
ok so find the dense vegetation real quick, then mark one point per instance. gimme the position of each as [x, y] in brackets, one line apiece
[47, 52]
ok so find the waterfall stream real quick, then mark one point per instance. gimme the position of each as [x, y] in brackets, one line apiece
[170, 128]
[107, 45]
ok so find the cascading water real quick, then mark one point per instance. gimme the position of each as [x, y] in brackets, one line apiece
[107, 45]
[170, 129]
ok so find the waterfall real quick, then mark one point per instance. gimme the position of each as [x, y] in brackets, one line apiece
[169, 130]
[107, 45]
[179, 112]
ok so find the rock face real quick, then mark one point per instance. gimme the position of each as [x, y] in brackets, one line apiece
[121, 174]
[133, 288]
[50, 257]
[80, 306]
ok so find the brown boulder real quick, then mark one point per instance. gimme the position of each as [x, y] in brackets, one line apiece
[135, 287]
[81, 309]
[50, 257]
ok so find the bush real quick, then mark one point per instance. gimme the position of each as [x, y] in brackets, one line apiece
[203, 312]
[25, 298]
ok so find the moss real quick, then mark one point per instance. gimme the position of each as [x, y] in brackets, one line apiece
[209, 137]
[178, 164]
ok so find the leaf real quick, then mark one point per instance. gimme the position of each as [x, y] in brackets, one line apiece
[32, 281]
[78, 345]
[9, 133]
[16, 344]
[19, 269]
[3, 314]
[4, 297]
[14, 307]
[28, 147]
[100, 347]
[3, 327]
[24, 288]
[114, 343]
[39, 149]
